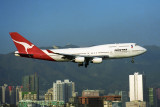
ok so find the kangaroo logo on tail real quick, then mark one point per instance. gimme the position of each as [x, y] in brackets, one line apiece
[26, 46]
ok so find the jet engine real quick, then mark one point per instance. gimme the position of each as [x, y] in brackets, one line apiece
[79, 59]
[97, 60]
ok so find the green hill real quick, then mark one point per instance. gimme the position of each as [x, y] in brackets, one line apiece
[111, 75]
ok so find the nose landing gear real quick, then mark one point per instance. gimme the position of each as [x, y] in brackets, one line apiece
[132, 60]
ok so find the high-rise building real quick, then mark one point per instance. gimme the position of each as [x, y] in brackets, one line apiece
[124, 97]
[151, 99]
[34, 80]
[12, 95]
[137, 90]
[0, 95]
[31, 84]
[62, 91]
[5, 94]
[158, 97]
[26, 84]
[18, 89]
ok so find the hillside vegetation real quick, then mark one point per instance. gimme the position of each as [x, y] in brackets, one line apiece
[111, 75]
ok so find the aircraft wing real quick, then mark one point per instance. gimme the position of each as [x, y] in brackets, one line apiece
[66, 56]
[72, 56]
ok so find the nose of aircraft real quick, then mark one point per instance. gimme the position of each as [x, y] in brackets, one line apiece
[143, 49]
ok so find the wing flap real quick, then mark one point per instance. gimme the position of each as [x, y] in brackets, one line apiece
[72, 56]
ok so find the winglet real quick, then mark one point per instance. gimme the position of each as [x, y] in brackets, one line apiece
[49, 51]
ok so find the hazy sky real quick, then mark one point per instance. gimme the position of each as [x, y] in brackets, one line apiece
[80, 22]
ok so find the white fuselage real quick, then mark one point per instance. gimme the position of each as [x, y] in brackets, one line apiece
[107, 51]
[86, 55]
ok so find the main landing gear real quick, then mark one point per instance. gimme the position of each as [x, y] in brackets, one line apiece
[86, 64]
[80, 64]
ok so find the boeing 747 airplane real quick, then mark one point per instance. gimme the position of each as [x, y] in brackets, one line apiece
[82, 56]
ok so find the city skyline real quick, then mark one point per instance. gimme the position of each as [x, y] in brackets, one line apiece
[62, 91]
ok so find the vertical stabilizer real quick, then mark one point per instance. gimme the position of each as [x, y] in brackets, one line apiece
[27, 49]
[23, 45]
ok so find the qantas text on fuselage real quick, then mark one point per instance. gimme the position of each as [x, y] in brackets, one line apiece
[82, 56]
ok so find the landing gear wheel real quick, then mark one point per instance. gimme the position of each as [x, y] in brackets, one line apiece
[86, 63]
[80, 64]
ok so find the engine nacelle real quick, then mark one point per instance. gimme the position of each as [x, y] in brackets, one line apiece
[79, 59]
[97, 60]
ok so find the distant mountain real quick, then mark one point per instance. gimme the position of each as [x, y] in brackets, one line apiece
[111, 75]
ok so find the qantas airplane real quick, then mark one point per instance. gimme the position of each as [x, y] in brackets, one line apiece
[82, 56]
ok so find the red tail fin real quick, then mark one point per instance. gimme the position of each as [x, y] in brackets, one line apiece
[27, 49]
[23, 45]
